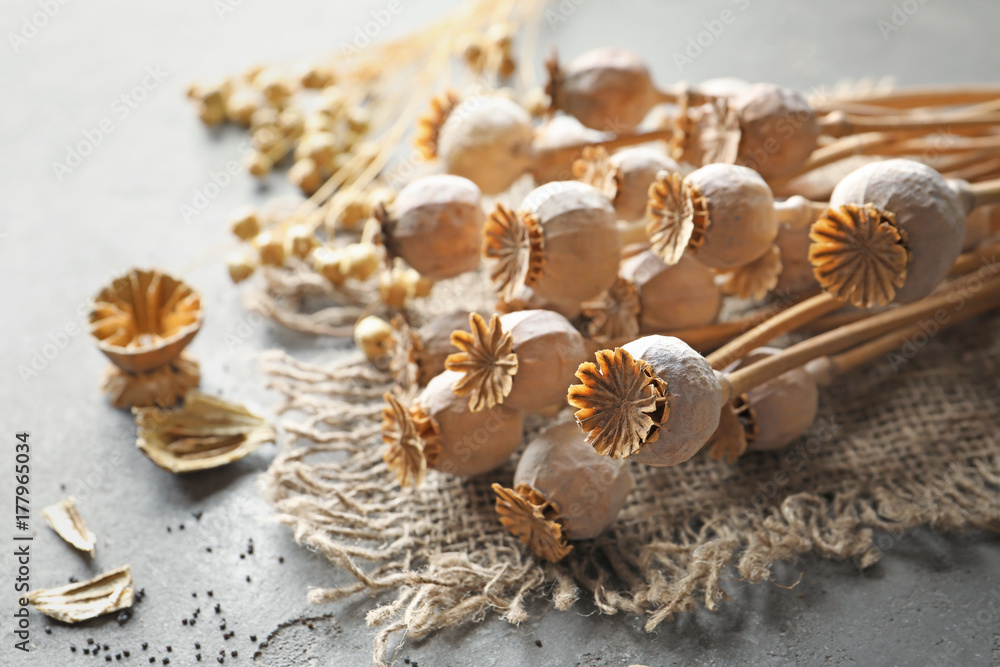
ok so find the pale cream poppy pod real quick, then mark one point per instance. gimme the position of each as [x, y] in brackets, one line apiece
[605, 88]
[471, 443]
[581, 247]
[635, 170]
[740, 217]
[796, 275]
[589, 489]
[435, 340]
[672, 297]
[778, 129]
[923, 208]
[781, 409]
[487, 140]
[435, 225]
[549, 350]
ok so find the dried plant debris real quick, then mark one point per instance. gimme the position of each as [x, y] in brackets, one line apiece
[207, 432]
[105, 594]
[594, 168]
[533, 519]
[755, 279]
[68, 524]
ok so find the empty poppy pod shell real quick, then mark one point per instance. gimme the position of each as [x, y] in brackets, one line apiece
[741, 222]
[144, 319]
[672, 297]
[781, 409]
[488, 141]
[559, 132]
[605, 88]
[694, 399]
[778, 129]
[581, 250]
[549, 350]
[436, 226]
[471, 443]
[588, 489]
[925, 210]
[636, 169]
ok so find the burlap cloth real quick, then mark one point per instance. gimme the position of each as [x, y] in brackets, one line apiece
[907, 441]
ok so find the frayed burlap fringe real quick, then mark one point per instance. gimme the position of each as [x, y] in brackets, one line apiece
[908, 442]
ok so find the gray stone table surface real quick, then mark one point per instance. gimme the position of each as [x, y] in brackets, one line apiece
[64, 69]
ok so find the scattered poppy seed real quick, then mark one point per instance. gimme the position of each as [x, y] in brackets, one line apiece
[184, 621]
[248, 578]
[166, 661]
[197, 644]
[72, 648]
[197, 656]
[168, 529]
[86, 651]
[208, 549]
[242, 556]
[152, 659]
[74, 580]
[253, 638]
[181, 527]
[126, 653]
[196, 515]
[234, 653]
[145, 646]
[221, 659]
[281, 559]
[105, 647]
[107, 658]
[169, 649]
[210, 594]
[538, 643]
[48, 631]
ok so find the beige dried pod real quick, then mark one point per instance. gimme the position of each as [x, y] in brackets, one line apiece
[420, 354]
[796, 277]
[438, 431]
[374, 337]
[563, 490]
[206, 432]
[241, 105]
[893, 231]
[739, 217]
[524, 360]
[163, 386]
[270, 248]
[64, 518]
[604, 88]
[655, 401]
[360, 260]
[771, 415]
[635, 170]
[435, 225]
[84, 600]
[778, 129]
[329, 263]
[488, 141]
[681, 296]
[563, 243]
[144, 319]
[241, 265]
[980, 225]
[560, 131]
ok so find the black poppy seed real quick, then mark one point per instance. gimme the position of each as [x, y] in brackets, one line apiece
[118, 656]
[169, 530]
[253, 638]
[107, 658]
[243, 556]
[72, 648]
[406, 660]
[222, 652]
[197, 656]
[90, 642]
[126, 653]
[74, 580]
[105, 647]
[86, 651]
[145, 645]
[196, 515]
[218, 608]
[181, 527]
[281, 559]
[170, 649]
[221, 659]
[538, 643]
[184, 621]
[248, 578]
[222, 626]
[208, 549]
[166, 661]
[197, 644]
[48, 631]
[194, 595]
[234, 653]
[191, 622]
[250, 549]
[210, 593]
[152, 659]
[310, 626]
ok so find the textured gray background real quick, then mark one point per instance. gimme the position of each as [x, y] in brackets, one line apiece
[933, 600]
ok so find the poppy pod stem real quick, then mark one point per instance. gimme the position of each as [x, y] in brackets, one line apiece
[743, 380]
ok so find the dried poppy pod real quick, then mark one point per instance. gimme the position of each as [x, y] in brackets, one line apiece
[142, 323]
[603, 88]
[435, 225]
[563, 490]
[560, 132]
[672, 297]
[624, 177]
[892, 233]
[796, 275]
[562, 243]
[439, 431]
[769, 416]
[488, 141]
[524, 360]
[524, 298]
[723, 213]
[655, 401]
[419, 354]
[778, 129]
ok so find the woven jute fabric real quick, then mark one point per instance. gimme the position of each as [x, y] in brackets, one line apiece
[907, 441]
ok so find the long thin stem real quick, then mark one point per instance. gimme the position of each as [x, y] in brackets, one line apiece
[915, 97]
[987, 192]
[842, 125]
[743, 380]
[862, 354]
